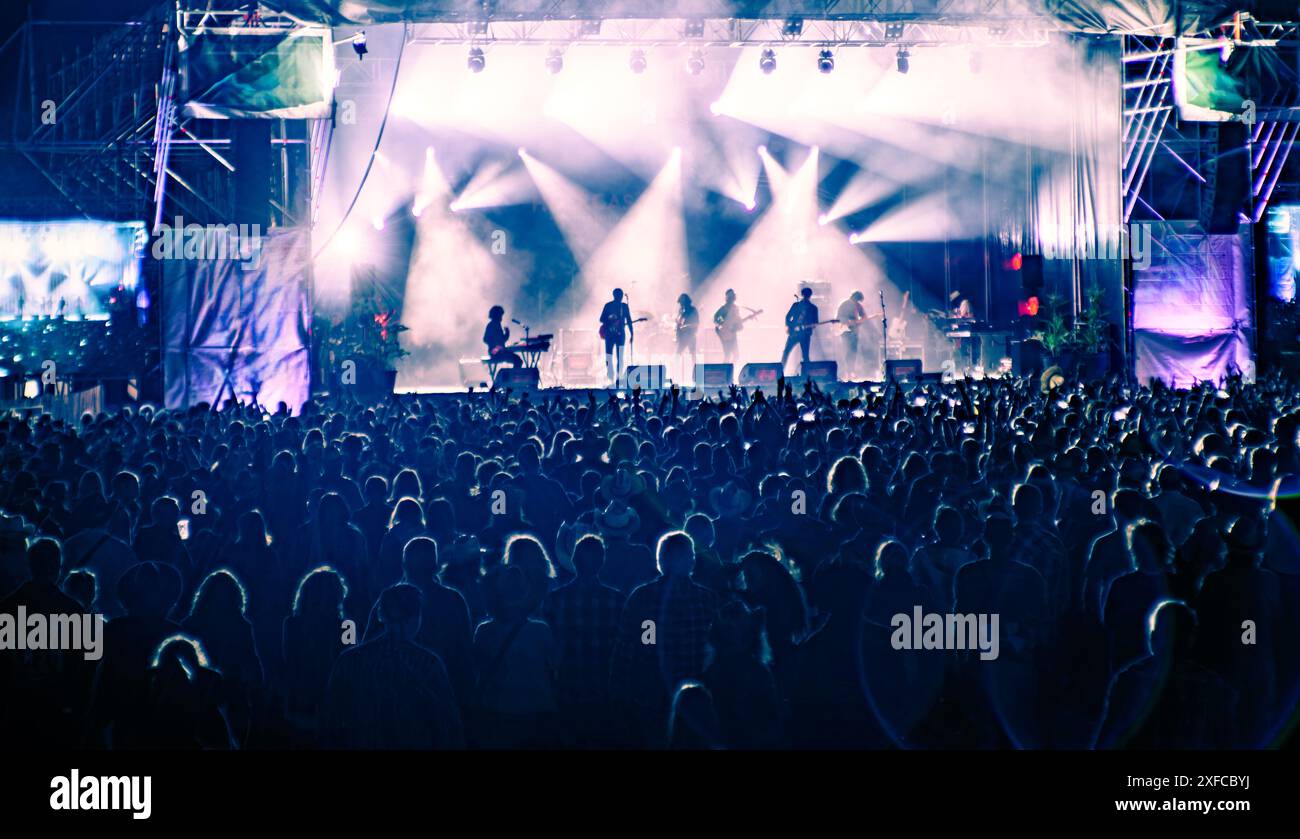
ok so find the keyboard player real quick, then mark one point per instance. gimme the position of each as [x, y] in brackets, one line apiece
[497, 337]
[962, 315]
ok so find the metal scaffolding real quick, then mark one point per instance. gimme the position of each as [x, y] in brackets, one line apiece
[1170, 165]
[96, 115]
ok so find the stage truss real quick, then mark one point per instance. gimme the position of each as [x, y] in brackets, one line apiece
[119, 148]
[1152, 127]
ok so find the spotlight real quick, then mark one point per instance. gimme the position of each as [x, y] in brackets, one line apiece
[823, 220]
[554, 61]
[637, 62]
[694, 28]
[695, 64]
[476, 61]
[902, 60]
[359, 45]
[478, 27]
[589, 27]
[378, 222]
[523, 152]
[854, 238]
[767, 62]
[894, 30]
[793, 27]
[826, 61]
[716, 109]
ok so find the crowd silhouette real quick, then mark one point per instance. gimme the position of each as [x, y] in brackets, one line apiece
[583, 570]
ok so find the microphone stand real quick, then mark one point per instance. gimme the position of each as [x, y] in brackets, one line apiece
[631, 340]
[884, 332]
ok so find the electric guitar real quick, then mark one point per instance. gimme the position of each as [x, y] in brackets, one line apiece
[800, 327]
[848, 327]
[605, 327]
[734, 324]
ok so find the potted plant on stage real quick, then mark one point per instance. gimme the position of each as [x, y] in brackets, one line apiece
[370, 342]
[1056, 336]
[1092, 334]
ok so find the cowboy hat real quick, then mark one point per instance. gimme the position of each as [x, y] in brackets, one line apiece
[622, 483]
[617, 520]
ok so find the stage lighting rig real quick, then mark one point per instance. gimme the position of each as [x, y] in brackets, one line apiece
[695, 64]
[359, 45]
[693, 28]
[554, 61]
[826, 61]
[767, 62]
[637, 62]
[479, 26]
[793, 27]
[476, 61]
[589, 27]
[894, 30]
[902, 60]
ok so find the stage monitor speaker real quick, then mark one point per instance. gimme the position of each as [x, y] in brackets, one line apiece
[647, 377]
[903, 370]
[1229, 182]
[761, 374]
[1031, 272]
[824, 372]
[714, 375]
[517, 378]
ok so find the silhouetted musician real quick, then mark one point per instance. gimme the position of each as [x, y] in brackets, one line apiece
[497, 336]
[799, 324]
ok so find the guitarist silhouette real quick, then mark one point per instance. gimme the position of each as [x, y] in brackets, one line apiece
[615, 327]
[727, 324]
[799, 323]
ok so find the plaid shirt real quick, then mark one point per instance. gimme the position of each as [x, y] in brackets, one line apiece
[682, 613]
[584, 615]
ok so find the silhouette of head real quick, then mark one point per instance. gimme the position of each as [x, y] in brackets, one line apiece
[219, 596]
[399, 609]
[1150, 547]
[45, 560]
[693, 720]
[149, 590]
[420, 560]
[675, 555]
[589, 556]
[1171, 627]
[321, 593]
